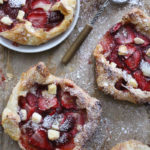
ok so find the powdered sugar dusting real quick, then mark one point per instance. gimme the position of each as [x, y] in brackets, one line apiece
[16, 3]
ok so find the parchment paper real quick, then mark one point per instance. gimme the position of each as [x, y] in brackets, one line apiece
[120, 121]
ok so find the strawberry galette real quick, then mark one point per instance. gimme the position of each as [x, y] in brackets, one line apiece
[123, 59]
[48, 113]
[33, 22]
[131, 145]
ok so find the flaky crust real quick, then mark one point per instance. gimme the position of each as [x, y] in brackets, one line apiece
[131, 145]
[26, 34]
[40, 74]
[107, 75]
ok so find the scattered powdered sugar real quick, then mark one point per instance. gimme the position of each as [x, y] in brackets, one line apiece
[16, 3]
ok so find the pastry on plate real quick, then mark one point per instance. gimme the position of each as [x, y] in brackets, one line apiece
[45, 112]
[33, 22]
[123, 59]
[131, 145]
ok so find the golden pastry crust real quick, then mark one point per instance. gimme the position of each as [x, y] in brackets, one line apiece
[131, 145]
[107, 74]
[40, 74]
[26, 34]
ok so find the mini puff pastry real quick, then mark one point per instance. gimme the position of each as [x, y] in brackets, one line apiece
[131, 145]
[43, 21]
[46, 112]
[123, 60]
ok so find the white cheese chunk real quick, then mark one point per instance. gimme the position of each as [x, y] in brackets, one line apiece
[52, 89]
[113, 65]
[122, 50]
[145, 67]
[1, 1]
[20, 15]
[23, 114]
[53, 134]
[148, 52]
[138, 40]
[36, 117]
[6, 20]
[132, 82]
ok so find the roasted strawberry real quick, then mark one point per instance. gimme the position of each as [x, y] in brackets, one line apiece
[38, 18]
[40, 140]
[55, 17]
[68, 146]
[32, 99]
[142, 82]
[45, 103]
[125, 35]
[37, 3]
[119, 85]
[30, 110]
[115, 28]
[64, 138]
[48, 121]
[68, 101]
[22, 101]
[68, 124]
[134, 60]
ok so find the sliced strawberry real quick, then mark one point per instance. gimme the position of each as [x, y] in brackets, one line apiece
[115, 28]
[40, 140]
[68, 146]
[64, 139]
[38, 18]
[131, 49]
[45, 103]
[107, 43]
[30, 110]
[68, 101]
[22, 101]
[115, 58]
[142, 83]
[134, 60]
[125, 35]
[37, 3]
[32, 99]
[55, 17]
[67, 124]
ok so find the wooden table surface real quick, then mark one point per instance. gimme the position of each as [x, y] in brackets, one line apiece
[120, 121]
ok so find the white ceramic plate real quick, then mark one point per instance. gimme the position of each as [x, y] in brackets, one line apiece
[50, 44]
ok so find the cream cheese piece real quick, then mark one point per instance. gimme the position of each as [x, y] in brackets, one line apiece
[138, 41]
[113, 65]
[20, 15]
[1, 1]
[53, 134]
[148, 52]
[132, 82]
[52, 89]
[122, 50]
[23, 114]
[145, 67]
[6, 20]
[36, 117]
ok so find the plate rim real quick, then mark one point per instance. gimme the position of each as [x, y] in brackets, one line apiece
[54, 44]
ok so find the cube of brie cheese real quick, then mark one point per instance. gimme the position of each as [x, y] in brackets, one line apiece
[23, 114]
[6, 20]
[36, 117]
[138, 40]
[53, 134]
[1, 1]
[132, 82]
[20, 15]
[148, 52]
[52, 89]
[122, 50]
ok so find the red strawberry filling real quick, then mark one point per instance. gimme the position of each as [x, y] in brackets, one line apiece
[36, 11]
[58, 112]
[131, 57]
